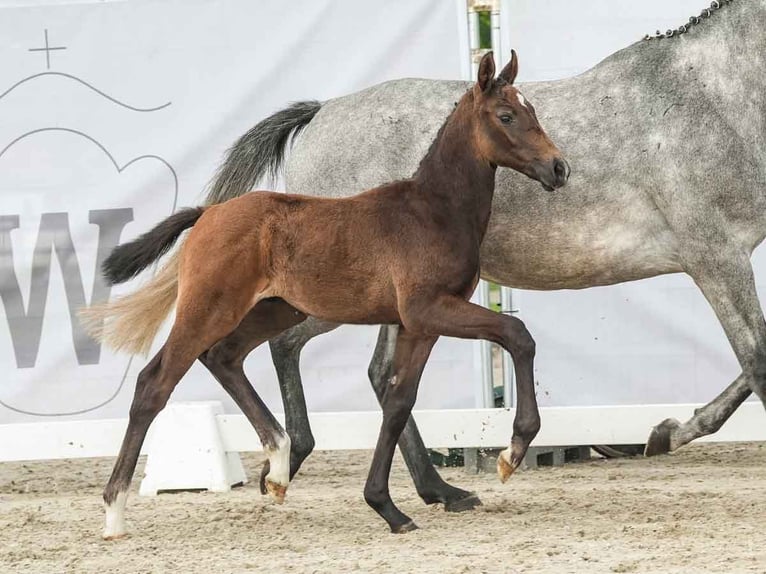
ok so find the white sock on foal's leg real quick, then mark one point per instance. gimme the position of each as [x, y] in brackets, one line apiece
[115, 517]
[279, 469]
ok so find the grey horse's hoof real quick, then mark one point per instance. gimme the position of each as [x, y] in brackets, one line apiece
[468, 502]
[659, 438]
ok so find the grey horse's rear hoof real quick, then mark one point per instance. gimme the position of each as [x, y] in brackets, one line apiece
[659, 438]
[468, 502]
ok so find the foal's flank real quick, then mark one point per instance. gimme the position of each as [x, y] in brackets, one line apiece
[405, 253]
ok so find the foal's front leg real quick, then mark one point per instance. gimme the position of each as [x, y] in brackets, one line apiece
[399, 398]
[452, 316]
[285, 354]
[431, 487]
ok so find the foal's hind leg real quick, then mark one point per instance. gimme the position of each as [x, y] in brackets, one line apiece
[728, 284]
[285, 354]
[430, 486]
[188, 338]
[225, 361]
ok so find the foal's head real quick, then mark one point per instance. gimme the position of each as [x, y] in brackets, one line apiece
[506, 129]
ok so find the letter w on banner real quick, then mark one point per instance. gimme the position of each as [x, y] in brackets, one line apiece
[112, 115]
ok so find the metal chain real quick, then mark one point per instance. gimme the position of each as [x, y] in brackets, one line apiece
[693, 21]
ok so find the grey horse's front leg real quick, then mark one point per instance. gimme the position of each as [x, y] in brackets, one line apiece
[728, 284]
[430, 486]
[285, 354]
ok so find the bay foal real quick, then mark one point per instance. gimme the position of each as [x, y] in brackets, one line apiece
[406, 253]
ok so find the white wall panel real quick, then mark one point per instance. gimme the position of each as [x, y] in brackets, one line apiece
[175, 81]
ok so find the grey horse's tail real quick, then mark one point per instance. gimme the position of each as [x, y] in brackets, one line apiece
[260, 151]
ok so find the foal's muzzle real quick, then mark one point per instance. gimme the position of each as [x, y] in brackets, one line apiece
[555, 174]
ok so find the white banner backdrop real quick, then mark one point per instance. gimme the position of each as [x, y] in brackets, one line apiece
[114, 114]
[646, 342]
[561, 38]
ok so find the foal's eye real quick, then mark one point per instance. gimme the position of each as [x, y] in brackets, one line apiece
[506, 118]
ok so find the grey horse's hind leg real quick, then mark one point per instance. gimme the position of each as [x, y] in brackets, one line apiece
[728, 284]
[430, 486]
[286, 354]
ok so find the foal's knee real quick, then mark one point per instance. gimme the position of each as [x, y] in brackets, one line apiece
[519, 340]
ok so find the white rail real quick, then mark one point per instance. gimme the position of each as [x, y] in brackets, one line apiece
[561, 426]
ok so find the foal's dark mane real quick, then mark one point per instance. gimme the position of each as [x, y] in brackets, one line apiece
[432, 148]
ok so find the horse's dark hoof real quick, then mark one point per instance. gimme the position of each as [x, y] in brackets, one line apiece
[404, 528]
[468, 502]
[264, 471]
[659, 438]
[454, 499]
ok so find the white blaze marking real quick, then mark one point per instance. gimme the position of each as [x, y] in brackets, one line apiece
[522, 101]
[279, 462]
[115, 516]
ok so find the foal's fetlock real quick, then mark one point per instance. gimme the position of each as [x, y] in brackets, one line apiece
[275, 475]
[114, 527]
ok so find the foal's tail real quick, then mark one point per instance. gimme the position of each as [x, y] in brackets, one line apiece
[260, 151]
[129, 259]
[130, 323]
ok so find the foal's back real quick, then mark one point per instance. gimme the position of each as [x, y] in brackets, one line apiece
[332, 257]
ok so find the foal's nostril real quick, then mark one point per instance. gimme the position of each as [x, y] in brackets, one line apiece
[561, 170]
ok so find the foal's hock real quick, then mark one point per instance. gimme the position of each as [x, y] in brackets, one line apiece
[406, 253]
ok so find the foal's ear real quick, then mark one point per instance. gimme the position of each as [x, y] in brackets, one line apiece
[486, 71]
[511, 69]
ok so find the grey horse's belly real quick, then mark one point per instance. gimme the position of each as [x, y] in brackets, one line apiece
[604, 227]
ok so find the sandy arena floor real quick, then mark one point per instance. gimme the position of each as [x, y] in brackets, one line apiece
[700, 510]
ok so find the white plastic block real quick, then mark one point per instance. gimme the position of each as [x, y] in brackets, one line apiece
[185, 451]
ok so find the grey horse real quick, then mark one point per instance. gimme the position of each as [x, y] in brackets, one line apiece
[666, 144]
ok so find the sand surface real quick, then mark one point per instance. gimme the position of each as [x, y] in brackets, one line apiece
[699, 510]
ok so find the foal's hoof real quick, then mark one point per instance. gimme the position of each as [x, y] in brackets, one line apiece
[264, 471]
[659, 438]
[277, 491]
[110, 537]
[468, 502]
[505, 467]
[404, 528]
